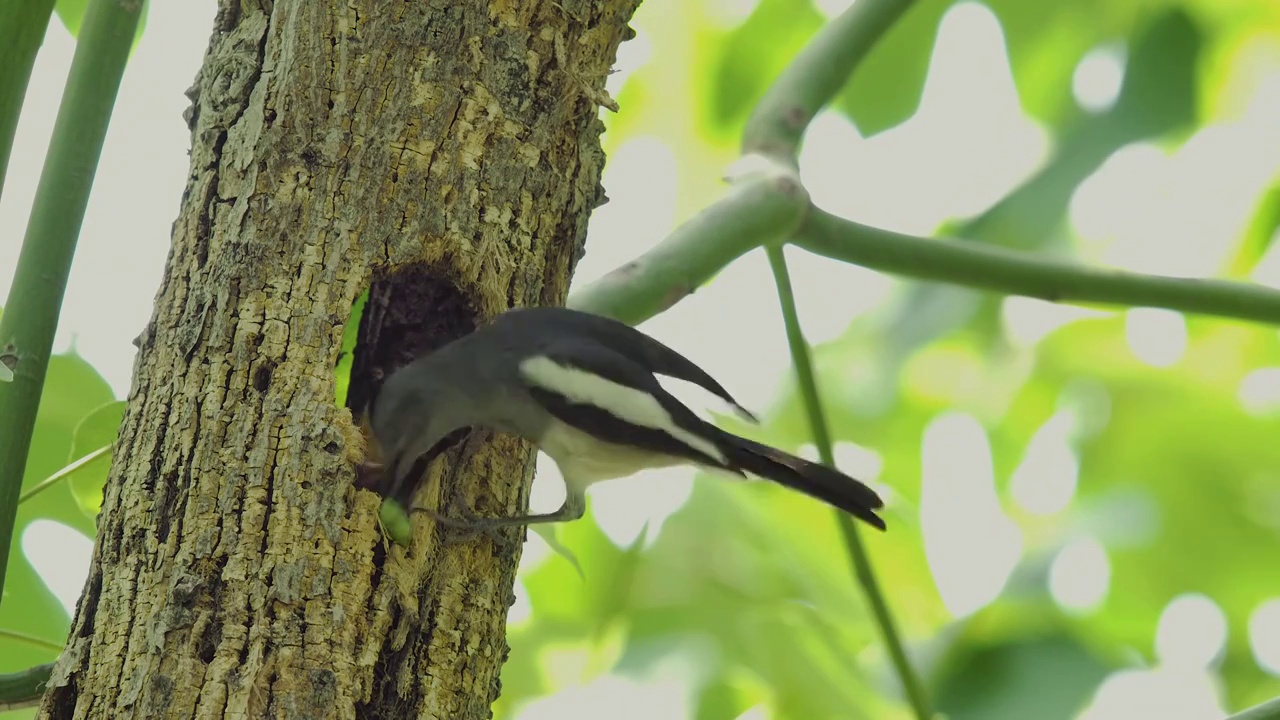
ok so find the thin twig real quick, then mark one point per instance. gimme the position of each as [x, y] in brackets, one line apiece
[62, 474]
[29, 639]
[863, 569]
[774, 130]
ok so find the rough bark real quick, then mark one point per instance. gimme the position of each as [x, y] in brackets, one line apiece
[445, 153]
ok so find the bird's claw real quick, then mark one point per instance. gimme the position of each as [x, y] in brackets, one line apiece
[456, 531]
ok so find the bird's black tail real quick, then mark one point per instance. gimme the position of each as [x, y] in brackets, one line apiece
[818, 481]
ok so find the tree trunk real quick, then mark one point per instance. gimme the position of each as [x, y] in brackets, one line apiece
[443, 153]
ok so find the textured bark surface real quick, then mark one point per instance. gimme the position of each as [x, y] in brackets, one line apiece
[237, 572]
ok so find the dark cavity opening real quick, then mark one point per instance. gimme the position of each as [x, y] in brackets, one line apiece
[400, 318]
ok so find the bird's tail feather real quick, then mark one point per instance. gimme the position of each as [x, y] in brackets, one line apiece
[818, 481]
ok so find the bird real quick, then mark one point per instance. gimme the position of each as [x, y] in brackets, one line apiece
[582, 388]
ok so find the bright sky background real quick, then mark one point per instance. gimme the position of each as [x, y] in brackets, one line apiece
[910, 178]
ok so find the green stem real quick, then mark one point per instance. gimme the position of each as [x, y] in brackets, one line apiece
[23, 689]
[22, 29]
[1020, 273]
[35, 299]
[775, 130]
[862, 567]
[812, 79]
[62, 474]
[30, 640]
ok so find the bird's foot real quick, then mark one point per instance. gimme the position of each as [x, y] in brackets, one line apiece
[456, 530]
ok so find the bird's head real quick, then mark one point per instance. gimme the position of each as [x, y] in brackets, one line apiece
[413, 418]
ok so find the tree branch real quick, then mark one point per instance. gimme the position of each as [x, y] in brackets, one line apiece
[761, 208]
[23, 689]
[1017, 273]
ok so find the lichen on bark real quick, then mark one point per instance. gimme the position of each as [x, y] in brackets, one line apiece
[443, 152]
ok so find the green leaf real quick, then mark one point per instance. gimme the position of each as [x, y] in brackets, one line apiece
[754, 54]
[73, 391]
[71, 12]
[1046, 42]
[1048, 678]
[350, 333]
[886, 89]
[1159, 94]
[29, 608]
[759, 572]
[547, 532]
[97, 430]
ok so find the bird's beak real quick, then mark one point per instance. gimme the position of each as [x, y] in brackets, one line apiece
[369, 475]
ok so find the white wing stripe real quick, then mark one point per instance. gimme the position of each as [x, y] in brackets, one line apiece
[625, 403]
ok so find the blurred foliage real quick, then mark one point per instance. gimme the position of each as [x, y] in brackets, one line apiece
[73, 391]
[744, 591]
[1177, 478]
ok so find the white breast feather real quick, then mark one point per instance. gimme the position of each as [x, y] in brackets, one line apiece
[585, 460]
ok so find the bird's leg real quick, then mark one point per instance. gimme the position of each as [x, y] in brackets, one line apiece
[473, 443]
[573, 508]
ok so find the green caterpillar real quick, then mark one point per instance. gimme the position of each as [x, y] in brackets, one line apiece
[395, 522]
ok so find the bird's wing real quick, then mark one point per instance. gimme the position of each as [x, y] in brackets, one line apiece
[649, 352]
[610, 396]
[668, 362]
